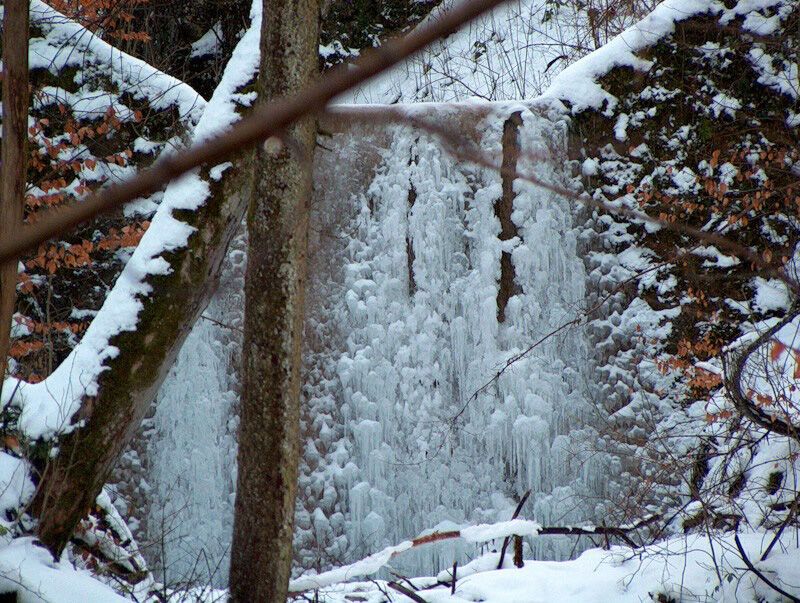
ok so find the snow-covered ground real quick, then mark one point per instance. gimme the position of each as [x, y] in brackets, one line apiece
[683, 569]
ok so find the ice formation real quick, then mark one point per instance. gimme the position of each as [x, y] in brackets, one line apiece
[402, 329]
[418, 317]
[192, 444]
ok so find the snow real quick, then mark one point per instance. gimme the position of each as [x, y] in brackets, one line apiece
[208, 44]
[375, 562]
[722, 104]
[589, 167]
[486, 532]
[29, 570]
[770, 295]
[67, 44]
[579, 85]
[685, 568]
[366, 567]
[17, 487]
[715, 257]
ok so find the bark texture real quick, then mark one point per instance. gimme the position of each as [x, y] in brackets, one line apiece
[13, 170]
[503, 209]
[275, 281]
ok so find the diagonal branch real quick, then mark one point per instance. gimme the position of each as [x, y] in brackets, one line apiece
[269, 120]
[760, 574]
[506, 540]
[734, 363]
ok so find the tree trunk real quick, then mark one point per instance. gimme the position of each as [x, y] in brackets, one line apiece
[261, 552]
[13, 169]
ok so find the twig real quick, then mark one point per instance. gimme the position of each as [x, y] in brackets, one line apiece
[406, 591]
[518, 562]
[219, 323]
[404, 579]
[453, 585]
[753, 569]
[514, 516]
[734, 374]
[513, 360]
[785, 523]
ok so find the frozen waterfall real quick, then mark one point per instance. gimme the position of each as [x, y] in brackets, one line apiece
[428, 273]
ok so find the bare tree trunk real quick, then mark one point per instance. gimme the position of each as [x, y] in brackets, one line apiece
[13, 170]
[261, 552]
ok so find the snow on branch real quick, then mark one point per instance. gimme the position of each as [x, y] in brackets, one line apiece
[476, 534]
[373, 564]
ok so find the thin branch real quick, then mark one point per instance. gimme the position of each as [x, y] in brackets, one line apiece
[786, 522]
[517, 357]
[763, 578]
[507, 539]
[406, 591]
[734, 364]
[219, 323]
[265, 121]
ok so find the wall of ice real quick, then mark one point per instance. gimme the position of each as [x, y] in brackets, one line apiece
[402, 330]
[189, 447]
[413, 301]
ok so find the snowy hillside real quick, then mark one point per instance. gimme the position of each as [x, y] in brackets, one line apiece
[511, 54]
